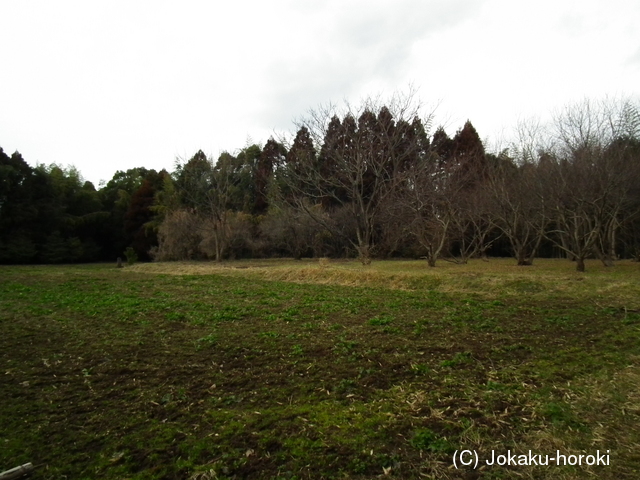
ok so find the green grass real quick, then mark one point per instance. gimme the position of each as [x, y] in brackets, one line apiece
[304, 370]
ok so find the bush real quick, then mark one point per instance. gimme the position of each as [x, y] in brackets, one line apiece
[132, 256]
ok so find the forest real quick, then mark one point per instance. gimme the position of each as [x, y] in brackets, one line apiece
[367, 181]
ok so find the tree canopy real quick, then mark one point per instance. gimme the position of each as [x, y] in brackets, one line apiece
[368, 180]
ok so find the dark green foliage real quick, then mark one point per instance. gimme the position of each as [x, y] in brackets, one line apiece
[116, 199]
[426, 439]
[272, 156]
[369, 181]
[302, 153]
[47, 214]
[17, 248]
[138, 216]
[132, 256]
[241, 176]
[193, 180]
[20, 196]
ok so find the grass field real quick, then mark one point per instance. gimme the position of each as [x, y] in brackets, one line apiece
[318, 369]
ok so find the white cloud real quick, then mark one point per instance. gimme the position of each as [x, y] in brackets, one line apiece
[117, 85]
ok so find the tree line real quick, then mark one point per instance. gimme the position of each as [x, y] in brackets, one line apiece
[49, 214]
[367, 181]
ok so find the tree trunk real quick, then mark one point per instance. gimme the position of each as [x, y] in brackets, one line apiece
[580, 264]
[364, 253]
[523, 259]
[606, 260]
[612, 243]
[218, 249]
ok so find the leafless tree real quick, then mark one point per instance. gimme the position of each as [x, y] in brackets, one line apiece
[208, 189]
[294, 231]
[426, 197]
[178, 236]
[472, 230]
[592, 178]
[518, 207]
[227, 236]
[364, 148]
[393, 235]
[516, 190]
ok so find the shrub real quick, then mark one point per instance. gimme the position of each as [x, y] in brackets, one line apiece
[132, 256]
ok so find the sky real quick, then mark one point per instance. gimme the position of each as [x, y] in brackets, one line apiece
[112, 85]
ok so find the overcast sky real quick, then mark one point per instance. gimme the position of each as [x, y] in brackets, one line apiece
[112, 85]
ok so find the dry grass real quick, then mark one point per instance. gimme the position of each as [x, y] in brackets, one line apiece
[607, 404]
[493, 278]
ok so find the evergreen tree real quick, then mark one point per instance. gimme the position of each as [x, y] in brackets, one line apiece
[138, 216]
[469, 158]
[116, 198]
[442, 146]
[272, 156]
[242, 178]
[193, 179]
[302, 152]
[18, 212]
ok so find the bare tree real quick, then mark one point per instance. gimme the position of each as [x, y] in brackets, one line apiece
[363, 151]
[425, 196]
[179, 237]
[516, 190]
[445, 199]
[592, 178]
[578, 205]
[394, 235]
[294, 231]
[209, 191]
[519, 207]
[473, 226]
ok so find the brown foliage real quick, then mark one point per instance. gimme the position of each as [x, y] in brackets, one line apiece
[179, 237]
